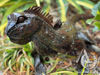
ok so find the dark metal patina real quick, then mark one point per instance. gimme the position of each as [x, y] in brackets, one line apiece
[32, 25]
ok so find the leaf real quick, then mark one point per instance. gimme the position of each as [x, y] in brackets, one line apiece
[2, 2]
[28, 69]
[73, 2]
[38, 2]
[6, 60]
[57, 60]
[9, 3]
[21, 64]
[65, 72]
[83, 70]
[85, 4]
[97, 24]
[46, 7]
[25, 7]
[89, 21]
[96, 8]
[97, 17]
[10, 65]
[2, 27]
[14, 54]
[63, 12]
[28, 47]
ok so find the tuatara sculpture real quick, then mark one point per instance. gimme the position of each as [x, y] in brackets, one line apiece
[34, 25]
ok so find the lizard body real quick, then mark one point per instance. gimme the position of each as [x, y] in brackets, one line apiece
[33, 25]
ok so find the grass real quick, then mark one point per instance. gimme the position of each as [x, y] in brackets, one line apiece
[17, 59]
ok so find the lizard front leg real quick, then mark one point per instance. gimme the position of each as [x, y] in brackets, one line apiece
[38, 64]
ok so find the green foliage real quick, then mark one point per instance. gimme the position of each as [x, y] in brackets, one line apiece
[64, 72]
[17, 59]
[84, 68]
[96, 13]
[38, 2]
[73, 2]
[46, 7]
[96, 9]
[57, 60]
[97, 23]
[28, 47]
[63, 10]
[78, 3]
[85, 3]
[3, 2]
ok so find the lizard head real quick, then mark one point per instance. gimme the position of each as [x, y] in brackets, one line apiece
[21, 26]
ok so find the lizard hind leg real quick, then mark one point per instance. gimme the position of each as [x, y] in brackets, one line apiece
[90, 44]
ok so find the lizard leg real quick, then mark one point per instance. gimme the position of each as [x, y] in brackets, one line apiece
[38, 65]
[90, 44]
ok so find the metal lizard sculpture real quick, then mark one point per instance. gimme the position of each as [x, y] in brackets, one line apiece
[35, 25]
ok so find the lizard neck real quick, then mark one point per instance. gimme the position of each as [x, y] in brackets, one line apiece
[43, 31]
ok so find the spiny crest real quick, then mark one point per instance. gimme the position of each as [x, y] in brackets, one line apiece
[39, 12]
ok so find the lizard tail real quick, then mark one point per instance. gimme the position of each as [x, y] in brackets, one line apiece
[78, 17]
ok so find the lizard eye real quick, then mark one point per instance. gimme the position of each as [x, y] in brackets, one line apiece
[21, 19]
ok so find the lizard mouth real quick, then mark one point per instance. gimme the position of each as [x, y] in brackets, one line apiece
[13, 31]
[18, 37]
[15, 36]
[20, 41]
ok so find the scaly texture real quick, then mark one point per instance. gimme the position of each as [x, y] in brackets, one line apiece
[34, 25]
